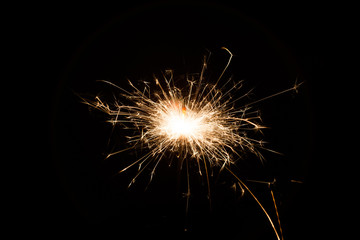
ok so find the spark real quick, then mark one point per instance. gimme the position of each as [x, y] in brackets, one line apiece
[200, 124]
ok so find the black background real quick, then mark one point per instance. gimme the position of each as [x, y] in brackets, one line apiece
[273, 45]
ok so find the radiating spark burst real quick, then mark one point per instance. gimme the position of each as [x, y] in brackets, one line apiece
[199, 123]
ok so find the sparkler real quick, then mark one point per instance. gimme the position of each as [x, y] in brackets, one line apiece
[199, 124]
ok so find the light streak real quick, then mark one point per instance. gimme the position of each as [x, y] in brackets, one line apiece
[200, 124]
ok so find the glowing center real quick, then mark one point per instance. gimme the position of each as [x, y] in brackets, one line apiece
[179, 124]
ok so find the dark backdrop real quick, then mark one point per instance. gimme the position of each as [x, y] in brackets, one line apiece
[272, 46]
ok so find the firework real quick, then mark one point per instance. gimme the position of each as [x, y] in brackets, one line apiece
[200, 123]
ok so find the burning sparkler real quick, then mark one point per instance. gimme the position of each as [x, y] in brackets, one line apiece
[199, 124]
